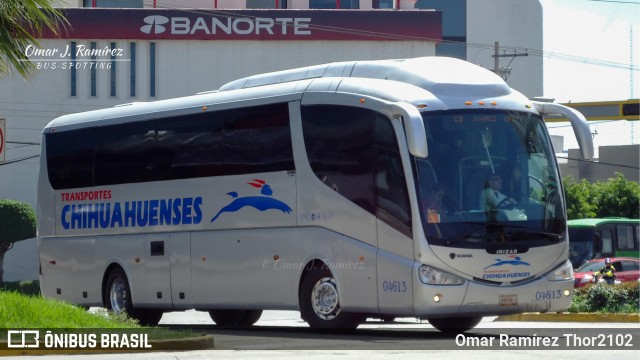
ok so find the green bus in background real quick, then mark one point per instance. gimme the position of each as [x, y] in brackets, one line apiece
[599, 238]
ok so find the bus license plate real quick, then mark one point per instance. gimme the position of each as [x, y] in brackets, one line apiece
[508, 300]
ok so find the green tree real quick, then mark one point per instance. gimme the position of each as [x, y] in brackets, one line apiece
[21, 22]
[17, 222]
[579, 200]
[615, 197]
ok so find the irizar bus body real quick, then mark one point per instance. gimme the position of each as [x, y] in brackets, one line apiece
[345, 191]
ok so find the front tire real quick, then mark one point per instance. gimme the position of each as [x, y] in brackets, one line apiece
[117, 298]
[455, 324]
[320, 302]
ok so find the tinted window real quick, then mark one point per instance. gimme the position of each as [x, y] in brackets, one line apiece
[70, 159]
[230, 142]
[354, 151]
[339, 143]
[125, 153]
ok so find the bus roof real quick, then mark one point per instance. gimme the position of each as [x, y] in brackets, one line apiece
[441, 76]
[601, 221]
[431, 83]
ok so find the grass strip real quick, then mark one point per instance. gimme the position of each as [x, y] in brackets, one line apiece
[34, 312]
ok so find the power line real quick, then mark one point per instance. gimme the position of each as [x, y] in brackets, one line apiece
[617, 2]
[599, 163]
[8, 162]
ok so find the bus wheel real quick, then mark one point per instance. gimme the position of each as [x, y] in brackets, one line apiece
[148, 317]
[455, 324]
[319, 302]
[233, 318]
[117, 298]
[250, 317]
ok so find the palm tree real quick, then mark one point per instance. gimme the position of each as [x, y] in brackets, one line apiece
[21, 22]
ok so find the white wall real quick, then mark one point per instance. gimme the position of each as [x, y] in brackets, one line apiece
[512, 23]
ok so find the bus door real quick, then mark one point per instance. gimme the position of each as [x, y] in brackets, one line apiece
[393, 222]
[179, 253]
[168, 270]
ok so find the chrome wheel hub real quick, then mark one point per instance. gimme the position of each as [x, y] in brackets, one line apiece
[324, 299]
[118, 295]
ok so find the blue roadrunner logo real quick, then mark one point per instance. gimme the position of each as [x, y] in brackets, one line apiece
[514, 260]
[261, 203]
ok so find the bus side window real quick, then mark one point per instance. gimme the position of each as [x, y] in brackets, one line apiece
[355, 152]
[625, 237]
[339, 144]
[607, 243]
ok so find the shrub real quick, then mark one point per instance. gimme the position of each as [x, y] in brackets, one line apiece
[620, 298]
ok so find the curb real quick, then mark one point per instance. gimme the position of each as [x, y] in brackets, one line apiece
[572, 317]
[204, 342]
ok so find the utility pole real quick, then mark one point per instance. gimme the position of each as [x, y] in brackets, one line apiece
[496, 58]
[506, 71]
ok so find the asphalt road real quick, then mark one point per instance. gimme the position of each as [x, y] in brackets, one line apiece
[284, 330]
[282, 334]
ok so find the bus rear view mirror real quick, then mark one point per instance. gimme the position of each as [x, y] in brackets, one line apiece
[578, 122]
[414, 128]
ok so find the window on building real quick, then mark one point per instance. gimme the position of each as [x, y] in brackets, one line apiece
[152, 69]
[113, 3]
[334, 4]
[265, 4]
[132, 69]
[323, 4]
[94, 72]
[112, 82]
[349, 4]
[382, 4]
[73, 69]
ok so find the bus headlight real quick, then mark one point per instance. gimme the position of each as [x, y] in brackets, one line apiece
[562, 272]
[433, 276]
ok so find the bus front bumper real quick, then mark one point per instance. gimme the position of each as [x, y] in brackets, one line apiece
[473, 298]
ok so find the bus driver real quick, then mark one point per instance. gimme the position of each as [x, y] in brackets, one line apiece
[491, 198]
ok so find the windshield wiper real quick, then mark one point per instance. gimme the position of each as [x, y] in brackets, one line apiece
[535, 235]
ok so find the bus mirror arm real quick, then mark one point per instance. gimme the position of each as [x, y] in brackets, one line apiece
[414, 128]
[578, 122]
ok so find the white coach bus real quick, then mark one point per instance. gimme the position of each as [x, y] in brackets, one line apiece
[345, 191]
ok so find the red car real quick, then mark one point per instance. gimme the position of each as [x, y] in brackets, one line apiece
[627, 269]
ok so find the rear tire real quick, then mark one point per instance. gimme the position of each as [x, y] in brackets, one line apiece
[235, 318]
[117, 298]
[455, 324]
[320, 302]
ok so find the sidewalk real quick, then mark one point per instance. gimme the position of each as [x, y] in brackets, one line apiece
[572, 317]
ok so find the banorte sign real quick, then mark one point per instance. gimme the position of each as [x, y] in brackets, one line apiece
[180, 25]
[250, 24]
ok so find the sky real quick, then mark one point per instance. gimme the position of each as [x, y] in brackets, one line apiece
[601, 38]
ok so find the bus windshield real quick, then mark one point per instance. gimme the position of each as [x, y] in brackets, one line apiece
[490, 179]
[582, 245]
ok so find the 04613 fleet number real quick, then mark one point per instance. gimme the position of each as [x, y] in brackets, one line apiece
[548, 295]
[394, 286]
